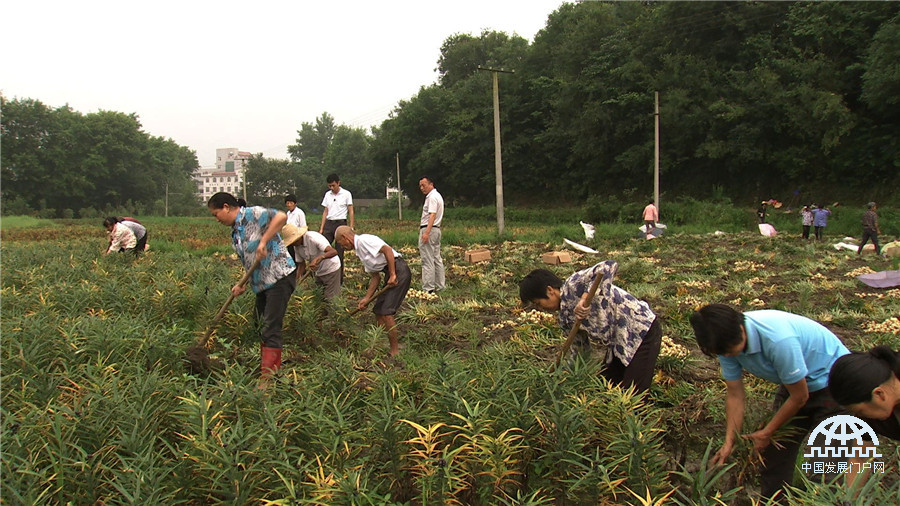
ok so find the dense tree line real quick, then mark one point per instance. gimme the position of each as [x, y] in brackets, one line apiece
[757, 100]
[61, 163]
[321, 148]
[798, 101]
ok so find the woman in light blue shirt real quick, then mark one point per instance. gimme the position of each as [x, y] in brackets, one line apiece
[786, 349]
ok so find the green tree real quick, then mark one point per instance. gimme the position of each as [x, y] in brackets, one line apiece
[313, 139]
[349, 156]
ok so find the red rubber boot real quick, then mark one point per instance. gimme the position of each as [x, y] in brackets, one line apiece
[271, 363]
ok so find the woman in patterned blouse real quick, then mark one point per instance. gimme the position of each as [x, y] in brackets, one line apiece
[624, 324]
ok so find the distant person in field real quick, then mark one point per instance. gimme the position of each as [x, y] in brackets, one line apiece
[295, 217]
[430, 237]
[870, 228]
[337, 211]
[820, 220]
[624, 324]
[121, 238]
[789, 350]
[761, 211]
[312, 251]
[806, 220]
[254, 234]
[651, 216]
[378, 258]
[140, 232]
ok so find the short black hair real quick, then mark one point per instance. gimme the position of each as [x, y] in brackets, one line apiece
[427, 179]
[534, 285]
[718, 328]
[290, 198]
[854, 376]
[110, 221]
[219, 200]
[333, 178]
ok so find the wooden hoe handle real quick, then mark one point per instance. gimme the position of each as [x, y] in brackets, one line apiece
[571, 338]
[221, 313]
[374, 296]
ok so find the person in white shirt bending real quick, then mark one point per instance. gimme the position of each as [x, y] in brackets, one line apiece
[377, 258]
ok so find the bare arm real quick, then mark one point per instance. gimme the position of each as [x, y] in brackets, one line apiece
[799, 394]
[373, 286]
[392, 270]
[734, 419]
[352, 217]
[856, 479]
[329, 252]
[322, 225]
[425, 236]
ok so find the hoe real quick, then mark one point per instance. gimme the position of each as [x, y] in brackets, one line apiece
[198, 354]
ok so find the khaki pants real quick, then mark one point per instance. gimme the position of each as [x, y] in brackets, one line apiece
[432, 264]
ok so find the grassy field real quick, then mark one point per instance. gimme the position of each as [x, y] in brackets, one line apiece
[98, 405]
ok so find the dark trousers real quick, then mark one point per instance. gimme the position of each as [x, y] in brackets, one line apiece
[806, 231]
[643, 365]
[141, 244]
[778, 463]
[819, 233]
[271, 304]
[328, 232]
[869, 234]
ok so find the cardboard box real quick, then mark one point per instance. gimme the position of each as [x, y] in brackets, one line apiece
[556, 257]
[478, 255]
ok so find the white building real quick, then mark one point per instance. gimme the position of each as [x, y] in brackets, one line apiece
[226, 176]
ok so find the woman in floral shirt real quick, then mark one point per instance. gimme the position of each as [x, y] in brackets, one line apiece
[254, 234]
[806, 219]
[121, 238]
[616, 319]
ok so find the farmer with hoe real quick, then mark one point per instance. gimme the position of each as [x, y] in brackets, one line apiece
[622, 323]
[786, 349]
[377, 258]
[312, 251]
[254, 234]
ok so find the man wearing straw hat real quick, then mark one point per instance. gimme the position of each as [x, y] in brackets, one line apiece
[312, 251]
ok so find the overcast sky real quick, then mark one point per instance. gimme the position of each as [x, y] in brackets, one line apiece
[214, 74]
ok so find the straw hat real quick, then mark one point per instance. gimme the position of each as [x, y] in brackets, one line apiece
[291, 234]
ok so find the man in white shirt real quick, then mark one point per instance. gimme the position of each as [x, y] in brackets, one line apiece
[338, 206]
[377, 257]
[295, 217]
[313, 252]
[430, 237]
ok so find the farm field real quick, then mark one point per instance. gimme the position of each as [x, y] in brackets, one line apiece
[99, 405]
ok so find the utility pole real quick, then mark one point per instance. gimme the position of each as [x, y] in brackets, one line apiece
[498, 162]
[399, 190]
[656, 156]
[167, 199]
